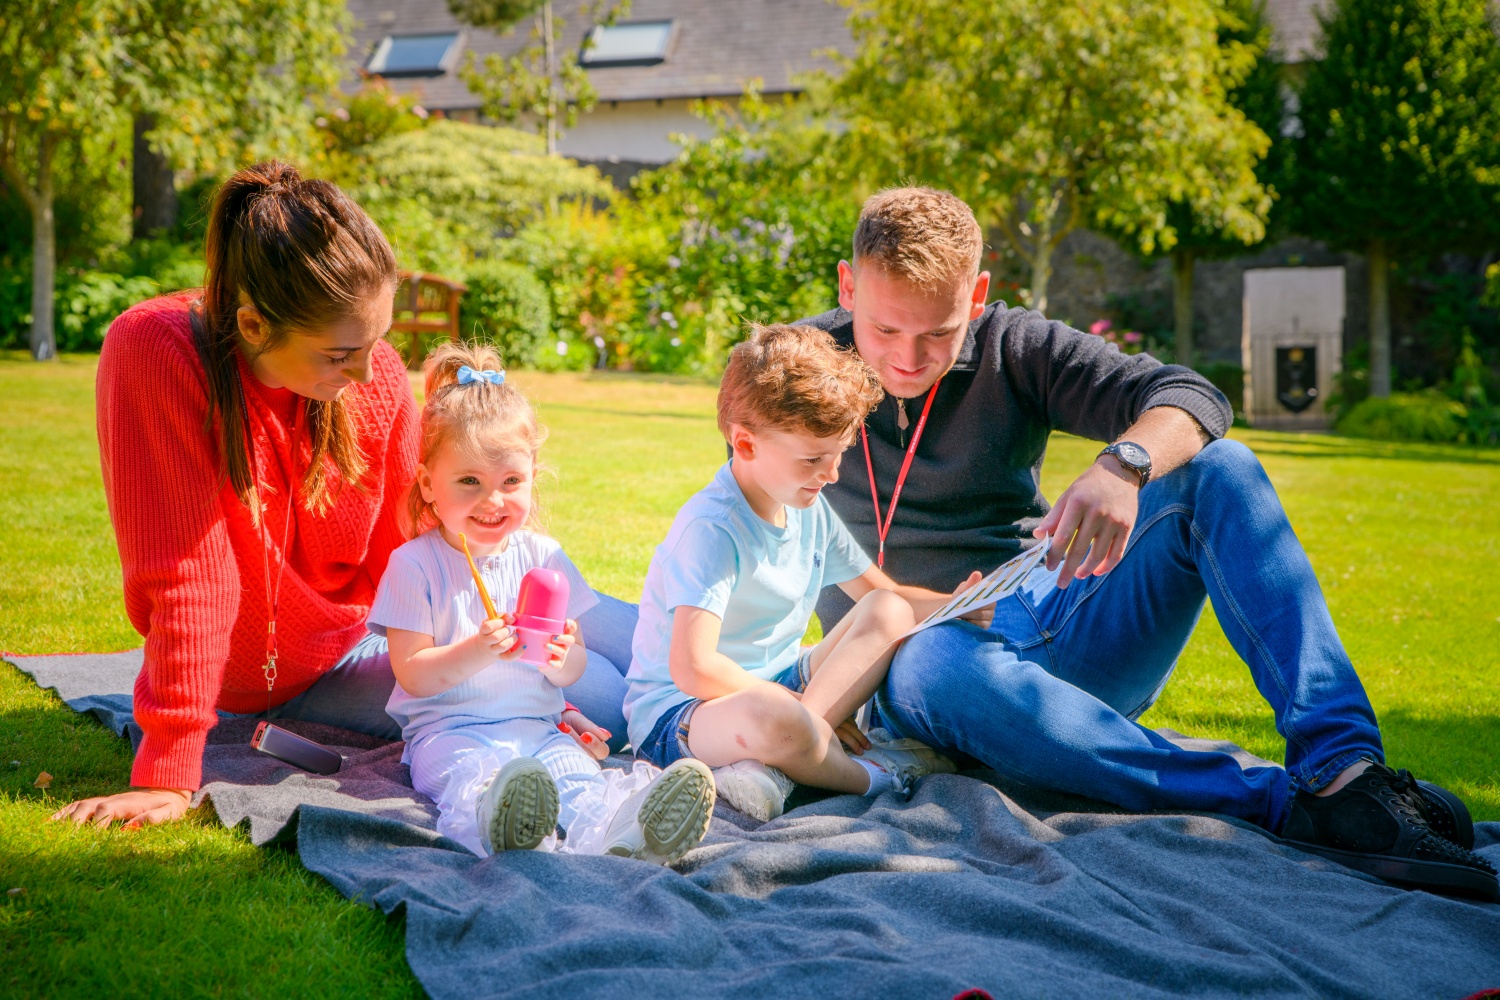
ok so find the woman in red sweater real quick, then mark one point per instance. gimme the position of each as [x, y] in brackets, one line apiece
[274, 394]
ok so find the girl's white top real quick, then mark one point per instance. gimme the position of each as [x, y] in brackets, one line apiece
[427, 588]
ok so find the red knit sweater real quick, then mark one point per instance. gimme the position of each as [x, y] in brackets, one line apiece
[192, 559]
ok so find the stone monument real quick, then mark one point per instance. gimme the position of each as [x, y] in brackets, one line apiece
[1292, 344]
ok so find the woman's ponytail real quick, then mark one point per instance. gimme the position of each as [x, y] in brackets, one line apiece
[305, 255]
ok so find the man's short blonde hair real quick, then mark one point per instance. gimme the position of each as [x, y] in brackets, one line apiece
[926, 237]
[796, 378]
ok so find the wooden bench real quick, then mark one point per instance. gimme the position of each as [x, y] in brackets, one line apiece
[426, 308]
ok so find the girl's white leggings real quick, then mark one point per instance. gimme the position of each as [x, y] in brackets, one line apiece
[452, 767]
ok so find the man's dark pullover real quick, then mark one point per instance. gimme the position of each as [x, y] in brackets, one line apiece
[973, 494]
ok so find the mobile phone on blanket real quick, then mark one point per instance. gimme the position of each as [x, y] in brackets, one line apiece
[295, 750]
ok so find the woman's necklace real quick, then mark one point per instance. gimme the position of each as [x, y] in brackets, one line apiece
[273, 594]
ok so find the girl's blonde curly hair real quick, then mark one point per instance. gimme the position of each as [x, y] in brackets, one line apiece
[481, 419]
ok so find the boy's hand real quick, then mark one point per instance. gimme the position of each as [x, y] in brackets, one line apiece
[853, 738]
[498, 637]
[979, 616]
[558, 648]
[594, 739]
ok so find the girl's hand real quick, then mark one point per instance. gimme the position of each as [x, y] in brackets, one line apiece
[557, 649]
[594, 739]
[498, 637]
[135, 808]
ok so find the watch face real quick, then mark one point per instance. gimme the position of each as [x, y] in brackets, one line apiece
[1133, 455]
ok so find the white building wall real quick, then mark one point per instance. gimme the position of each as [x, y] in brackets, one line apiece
[632, 131]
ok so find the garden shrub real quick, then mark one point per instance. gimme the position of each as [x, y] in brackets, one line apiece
[508, 306]
[1407, 416]
[88, 301]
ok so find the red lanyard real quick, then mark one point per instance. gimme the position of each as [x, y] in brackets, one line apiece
[273, 596]
[884, 528]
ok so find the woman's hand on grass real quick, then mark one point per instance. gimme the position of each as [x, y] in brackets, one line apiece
[135, 808]
[594, 739]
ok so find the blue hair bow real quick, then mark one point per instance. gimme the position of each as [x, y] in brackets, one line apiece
[467, 375]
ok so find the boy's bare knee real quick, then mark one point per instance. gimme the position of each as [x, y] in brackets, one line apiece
[886, 611]
[783, 729]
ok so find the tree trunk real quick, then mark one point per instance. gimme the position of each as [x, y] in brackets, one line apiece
[551, 44]
[155, 194]
[1380, 319]
[1184, 260]
[1041, 273]
[43, 257]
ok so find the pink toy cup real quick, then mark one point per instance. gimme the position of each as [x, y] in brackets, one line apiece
[541, 612]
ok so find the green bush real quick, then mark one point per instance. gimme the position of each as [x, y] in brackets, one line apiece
[508, 306]
[88, 301]
[1407, 416]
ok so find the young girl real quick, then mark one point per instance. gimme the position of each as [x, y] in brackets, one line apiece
[482, 729]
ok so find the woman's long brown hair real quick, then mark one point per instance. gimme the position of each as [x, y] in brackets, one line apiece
[305, 255]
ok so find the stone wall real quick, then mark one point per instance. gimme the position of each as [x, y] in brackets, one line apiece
[1093, 278]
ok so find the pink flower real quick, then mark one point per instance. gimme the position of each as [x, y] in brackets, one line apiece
[1100, 327]
[1131, 337]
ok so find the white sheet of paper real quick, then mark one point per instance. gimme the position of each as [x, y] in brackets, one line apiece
[1003, 582]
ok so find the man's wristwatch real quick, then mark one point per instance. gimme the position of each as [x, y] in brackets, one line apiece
[1132, 456]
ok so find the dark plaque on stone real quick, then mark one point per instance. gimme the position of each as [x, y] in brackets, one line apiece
[1297, 377]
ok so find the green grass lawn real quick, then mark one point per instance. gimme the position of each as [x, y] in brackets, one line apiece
[1403, 537]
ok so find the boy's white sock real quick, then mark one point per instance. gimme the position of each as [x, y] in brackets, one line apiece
[881, 780]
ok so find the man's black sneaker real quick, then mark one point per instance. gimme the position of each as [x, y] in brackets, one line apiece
[1379, 824]
[1446, 813]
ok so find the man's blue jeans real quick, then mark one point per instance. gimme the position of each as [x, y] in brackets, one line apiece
[1049, 693]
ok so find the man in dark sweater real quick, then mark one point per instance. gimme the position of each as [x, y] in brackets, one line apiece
[1169, 514]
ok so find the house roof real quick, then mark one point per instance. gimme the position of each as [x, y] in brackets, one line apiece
[716, 47]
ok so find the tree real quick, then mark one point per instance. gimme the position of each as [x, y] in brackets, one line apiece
[220, 81]
[1046, 116]
[61, 68]
[1397, 155]
[1258, 94]
[445, 192]
[544, 80]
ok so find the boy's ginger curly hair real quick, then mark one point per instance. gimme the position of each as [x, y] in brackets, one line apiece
[795, 378]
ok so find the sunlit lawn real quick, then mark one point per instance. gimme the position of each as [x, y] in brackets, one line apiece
[1404, 540]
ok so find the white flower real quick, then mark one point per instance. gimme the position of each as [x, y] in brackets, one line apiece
[562, 348]
[676, 341]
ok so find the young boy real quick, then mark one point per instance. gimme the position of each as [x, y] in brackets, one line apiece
[717, 672]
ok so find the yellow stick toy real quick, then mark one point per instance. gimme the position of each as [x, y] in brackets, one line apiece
[484, 592]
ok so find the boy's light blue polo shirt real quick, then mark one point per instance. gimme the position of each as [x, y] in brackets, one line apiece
[761, 580]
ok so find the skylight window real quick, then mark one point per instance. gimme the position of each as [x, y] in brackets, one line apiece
[414, 55]
[642, 43]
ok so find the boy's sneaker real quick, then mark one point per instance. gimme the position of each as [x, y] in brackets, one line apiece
[906, 760]
[755, 789]
[1380, 824]
[666, 819]
[518, 809]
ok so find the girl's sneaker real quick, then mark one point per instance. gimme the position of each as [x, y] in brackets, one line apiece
[666, 819]
[518, 809]
[755, 789]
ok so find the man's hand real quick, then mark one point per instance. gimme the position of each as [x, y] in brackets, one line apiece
[1092, 521]
[135, 808]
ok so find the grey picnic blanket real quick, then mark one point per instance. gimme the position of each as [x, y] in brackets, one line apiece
[974, 883]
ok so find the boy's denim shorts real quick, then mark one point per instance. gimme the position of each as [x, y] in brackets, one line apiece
[668, 741]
